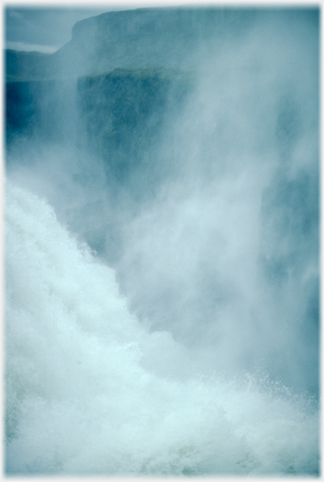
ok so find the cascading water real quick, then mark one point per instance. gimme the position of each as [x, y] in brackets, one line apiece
[79, 400]
[162, 313]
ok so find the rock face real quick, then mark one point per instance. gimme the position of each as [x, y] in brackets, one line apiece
[28, 66]
[123, 109]
[41, 109]
[118, 116]
[115, 113]
[123, 114]
[142, 38]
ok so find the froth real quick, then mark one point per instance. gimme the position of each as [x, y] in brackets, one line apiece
[84, 397]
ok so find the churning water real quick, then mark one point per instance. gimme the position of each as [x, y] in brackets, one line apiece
[79, 400]
[166, 323]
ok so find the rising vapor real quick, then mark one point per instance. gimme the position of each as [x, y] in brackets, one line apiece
[162, 250]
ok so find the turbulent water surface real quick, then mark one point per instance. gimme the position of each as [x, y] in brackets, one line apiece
[81, 401]
[166, 322]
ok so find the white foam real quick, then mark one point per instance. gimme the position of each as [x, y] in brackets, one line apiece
[82, 396]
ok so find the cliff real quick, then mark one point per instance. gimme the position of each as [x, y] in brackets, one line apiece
[26, 66]
[118, 116]
[149, 37]
[141, 38]
[123, 113]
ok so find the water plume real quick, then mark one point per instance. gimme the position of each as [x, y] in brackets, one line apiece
[80, 399]
[162, 315]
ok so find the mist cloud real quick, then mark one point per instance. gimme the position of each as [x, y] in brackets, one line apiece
[205, 207]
